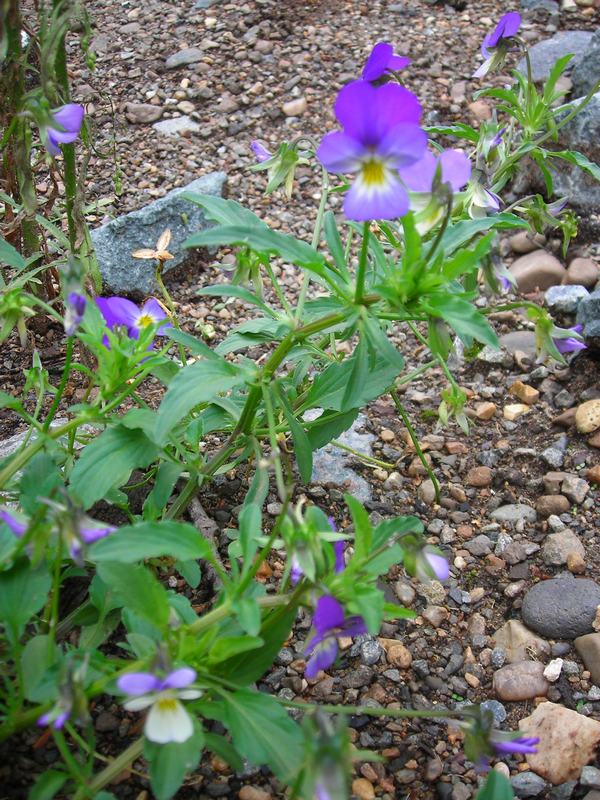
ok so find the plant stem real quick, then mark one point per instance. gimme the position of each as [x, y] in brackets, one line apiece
[315, 241]
[362, 265]
[413, 437]
[217, 614]
[61, 387]
[362, 456]
[114, 768]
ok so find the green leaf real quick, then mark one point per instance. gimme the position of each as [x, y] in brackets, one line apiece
[40, 479]
[225, 212]
[137, 589]
[460, 130]
[329, 426]
[195, 384]
[170, 763]
[263, 732]
[92, 636]
[240, 292]
[166, 477]
[11, 257]
[577, 158]
[363, 532]
[196, 346]
[247, 612]
[108, 461]
[37, 658]
[178, 540]
[460, 234]
[549, 94]
[47, 785]
[496, 787]
[263, 240]
[23, 592]
[219, 745]
[463, 317]
[190, 572]
[250, 527]
[227, 647]
[302, 446]
[368, 602]
[334, 243]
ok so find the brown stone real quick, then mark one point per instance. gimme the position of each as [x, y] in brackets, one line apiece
[576, 563]
[525, 393]
[593, 474]
[520, 643]
[594, 441]
[549, 504]
[526, 242]
[254, 793]
[521, 681]
[294, 108]
[397, 654]
[142, 113]
[479, 476]
[588, 647]
[587, 416]
[485, 411]
[553, 481]
[456, 448]
[566, 419]
[583, 272]
[363, 789]
[568, 741]
[537, 270]
[480, 109]
[559, 546]
[514, 410]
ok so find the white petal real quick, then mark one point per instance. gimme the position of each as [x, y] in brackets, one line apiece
[165, 725]
[138, 703]
[189, 694]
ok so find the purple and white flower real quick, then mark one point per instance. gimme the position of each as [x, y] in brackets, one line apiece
[431, 564]
[481, 201]
[260, 151]
[119, 311]
[455, 168]
[167, 720]
[381, 60]
[381, 136]
[64, 127]
[497, 43]
[330, 623]
[570, 344]
[74, 311]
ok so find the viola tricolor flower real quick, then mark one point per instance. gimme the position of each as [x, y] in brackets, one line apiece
[260, 151]
[74, 311]
[381, 60]
[64, 127]
[570, 344]
[455, 167]
[480, 201]
[381, 136]
[167, 721]
[330, 623]
[497, 43]
[119, 311]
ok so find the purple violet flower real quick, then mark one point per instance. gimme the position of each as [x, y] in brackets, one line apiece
[84, 534]
[497, 43]
[330, 624]
[381, 60]
[520, 744]
[167, 721]
[121, 311]
[381, 135]
[260, 151]
[16, 523]
[436, 564]
[56, 717]
[74, 311]
[570, 344]
[455, 166]
[64, 128]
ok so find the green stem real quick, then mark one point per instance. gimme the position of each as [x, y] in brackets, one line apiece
[273, 441]
[362, 265]
[413, 437]
[362, 456]
[21, 458]
[61, 387]
[114, 768]
[217, 614]
[171, 306]
[72, 765]
[314, 242]
[53, 618]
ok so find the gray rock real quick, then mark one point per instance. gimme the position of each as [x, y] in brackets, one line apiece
[118, 239]
[519, 341]
[554, 455]
[176, 126]
[561, 608]
[558, 546]
[370, 651]
[491, 355]
[544, 54]
[564, 791]
[544, 11]
[575, 488]
[479, 546]
[528, 784]
[586, 71]
[513, 513]
[189, 55]
[565, 299]
[202, 4]
[590, 777]
[588, 315]
[496, 708]
[330, 463]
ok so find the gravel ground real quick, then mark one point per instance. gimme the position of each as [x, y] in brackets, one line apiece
[255, 59]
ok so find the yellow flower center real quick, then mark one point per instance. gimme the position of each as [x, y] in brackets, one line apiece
[167, 704]
[373, 172]
[144, 320]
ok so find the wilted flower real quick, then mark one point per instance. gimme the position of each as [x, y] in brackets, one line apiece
[119, 311]
[497, 43]
[167, 721]
[64, 127]
[160, 252]
[481, 201]
[330, 623]
[381, 135]
[260, 151]
[381, 60]
[72, 700]
[570, 344]
[74, 311]
[454, 166]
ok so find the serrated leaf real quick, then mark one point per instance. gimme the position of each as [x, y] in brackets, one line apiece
[578, 159]
[132, 543]
[11, 257]
[137, 589]
[170, 763]
[23, 592]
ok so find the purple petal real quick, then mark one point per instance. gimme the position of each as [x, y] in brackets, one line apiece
[260, 151]
[16, 526]
[519, 745]
[69, 117]
[569, 345]
[296, 571]
[179, 678]
[118, 311]
[50, 143]
[153, 309]
[439, 565]
[137, 683]
[507, 27]
[74, 311]
[340, 563]
[90, 535]
[418, 177]
[386, 201]
[61, 137]
[60, 720]
[576, 328]
[332, 524]
[353, 626]
[328, 614]
[396, 63]
[456, 168]
[403, 145]
[340, 153]
[367, 113]
[378, 61]
[323, 656]
[44, 720]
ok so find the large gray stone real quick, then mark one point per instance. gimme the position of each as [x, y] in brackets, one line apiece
[565, 299]
[588, 315]
[118, 239]
[544, 54]
[587, 70]
[561, 608]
